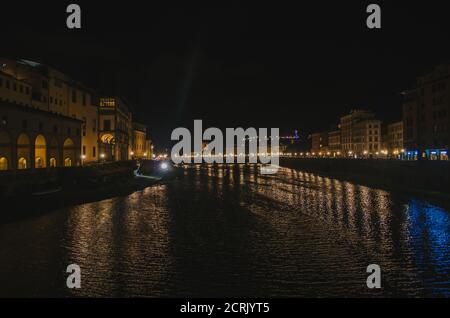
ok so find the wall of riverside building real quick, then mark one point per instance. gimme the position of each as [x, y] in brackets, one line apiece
[81, 107]
[35, 139]
[14, 91]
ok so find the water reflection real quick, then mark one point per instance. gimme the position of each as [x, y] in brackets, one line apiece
[228, 231]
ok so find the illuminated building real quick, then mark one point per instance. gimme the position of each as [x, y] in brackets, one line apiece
[148, 149]
[319, 143]
[138, 143]
[41, 87]
[426, 116]
[31, 138]
[366, 137]
[394, 139]
[334, 142]
[360, 133]
[115, 129]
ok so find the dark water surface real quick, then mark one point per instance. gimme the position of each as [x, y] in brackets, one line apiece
[228, 231]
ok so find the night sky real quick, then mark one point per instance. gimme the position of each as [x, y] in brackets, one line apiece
[260, 65]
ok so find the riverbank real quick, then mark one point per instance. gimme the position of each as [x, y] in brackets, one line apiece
[37, 192]
[427, 180]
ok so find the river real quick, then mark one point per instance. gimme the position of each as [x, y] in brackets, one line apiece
[229, 231]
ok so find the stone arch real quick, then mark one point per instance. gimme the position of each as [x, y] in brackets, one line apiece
[107, 147]
[68, 162]
[53, 163]
[3, 163]
[68, 152]
[5, 146]
[53, 152]
[23, 151]
[40, 152]
[22, 163]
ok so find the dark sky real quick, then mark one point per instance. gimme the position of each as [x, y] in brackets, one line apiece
[259, 65]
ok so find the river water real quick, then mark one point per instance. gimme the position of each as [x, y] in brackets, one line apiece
[229, 231]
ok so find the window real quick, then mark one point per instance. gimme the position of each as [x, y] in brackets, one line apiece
[93, 152]
[84, 150]
[22, 163]
[84, 126]
[7, 83]
[67, 162]
[21, 88]
[27, 90]
[3, 163]
[45, 84]
[1, 81]
[107, 124]
[52, 163]
[107, 102]
[94, 125]
[84, 99]
[69, 131]
[14, 86]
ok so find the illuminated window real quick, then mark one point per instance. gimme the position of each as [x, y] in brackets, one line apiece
[3, 163]
[107, 102]
[39, 163]
[52, 162]
[67, 162]
[22, 163]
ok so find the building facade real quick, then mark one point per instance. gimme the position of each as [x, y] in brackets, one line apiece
[138, 144]
[426, 116]
[319, 143]
[366, 138]
[394, 139]
[360, 134]
[47, 89]
[34, 139]
[115, 132]
[149, 148]
[106, 132]
[334, 143]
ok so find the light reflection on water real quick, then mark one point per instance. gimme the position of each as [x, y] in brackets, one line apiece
[228, 231]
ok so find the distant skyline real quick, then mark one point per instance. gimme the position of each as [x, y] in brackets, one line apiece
[261, 66]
